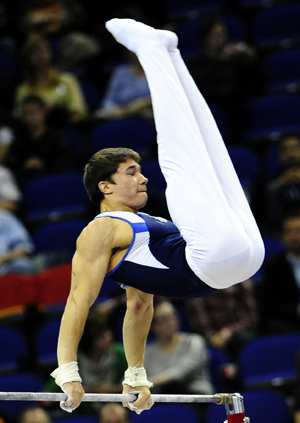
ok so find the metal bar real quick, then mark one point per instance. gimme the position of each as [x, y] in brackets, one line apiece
[52, 396]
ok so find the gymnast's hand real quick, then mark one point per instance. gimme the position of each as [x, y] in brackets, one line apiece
[144, 400]
[75, 392]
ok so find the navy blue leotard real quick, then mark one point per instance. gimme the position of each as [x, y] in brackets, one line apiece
[155, 261]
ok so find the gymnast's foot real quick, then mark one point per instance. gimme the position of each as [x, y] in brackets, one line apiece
[133, 34]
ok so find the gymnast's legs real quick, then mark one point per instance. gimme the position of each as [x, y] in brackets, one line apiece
[204, 196]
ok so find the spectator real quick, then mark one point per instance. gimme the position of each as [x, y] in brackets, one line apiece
[60, 91]
[10, 195]
[226, 318]
[225, 71]
[279, 291]
[35, 414]
[283, 192]
[78, 51]
[37, 147]
[113, 413]
[6, 138]
[127, 93]
[176, 362]
[102, 361]
[16, 246]
[50, 17]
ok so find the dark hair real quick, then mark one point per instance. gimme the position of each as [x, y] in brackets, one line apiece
[101, 166]
[293, 213]
[34, 99]
[206, 27]
[288, 137]
[31, 44]
[95, 327]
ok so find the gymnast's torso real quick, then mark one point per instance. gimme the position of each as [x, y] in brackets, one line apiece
[155, 261]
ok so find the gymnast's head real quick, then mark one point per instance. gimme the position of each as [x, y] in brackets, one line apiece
[113, 176]
[113, 413]
[35, 414]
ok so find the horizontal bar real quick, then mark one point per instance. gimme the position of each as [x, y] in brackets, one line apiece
[53, 396]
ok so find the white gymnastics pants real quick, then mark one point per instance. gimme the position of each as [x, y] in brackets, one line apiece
[204, 196]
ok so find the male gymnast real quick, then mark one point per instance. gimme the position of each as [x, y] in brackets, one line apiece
[212, 242]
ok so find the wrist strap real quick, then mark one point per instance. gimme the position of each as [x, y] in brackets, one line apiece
[68, 372]
[136, 376]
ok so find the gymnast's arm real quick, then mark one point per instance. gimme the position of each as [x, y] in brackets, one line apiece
[89, 267]
[136, 326]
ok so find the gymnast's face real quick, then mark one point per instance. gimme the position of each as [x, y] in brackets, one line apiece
[165, 322]
[128, 191]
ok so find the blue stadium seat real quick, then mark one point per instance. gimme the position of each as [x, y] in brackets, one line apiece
[272, 165]
[272, 246]
[269, 361]
[58, 237]
[21, 382]
[91, 94]
[77, 419]
[270, 117]
[222, 120]
[217, 360]
[246, 164]
[135, 133]
[54, 197]
[162, 413]
[188, 38]
[249, 5]
[151, 170]
[176, 9]
[8, 62]
[235, 27]
[277, 27]
[13, 349]
[281, 71]
[46, 342]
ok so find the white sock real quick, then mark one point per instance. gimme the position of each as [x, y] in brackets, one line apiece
[133, 34]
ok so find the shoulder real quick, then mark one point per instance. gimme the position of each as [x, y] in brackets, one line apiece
[5, 173]
[6, 135]
[105, 232]
[97, 229]
[8, 217]
[95, 240]
[68, 78]
[125, 216]
[21, 90]
[193, 339]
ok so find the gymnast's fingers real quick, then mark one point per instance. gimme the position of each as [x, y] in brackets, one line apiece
[144, 400]
[74, 393]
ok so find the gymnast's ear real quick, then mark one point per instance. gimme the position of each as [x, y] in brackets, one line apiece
[105, 187]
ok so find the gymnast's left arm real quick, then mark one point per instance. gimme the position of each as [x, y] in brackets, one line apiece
[136, 326]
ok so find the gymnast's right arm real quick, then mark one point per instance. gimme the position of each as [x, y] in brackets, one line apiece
[89, 267]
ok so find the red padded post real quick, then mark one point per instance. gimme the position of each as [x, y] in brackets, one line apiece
[236, 418]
